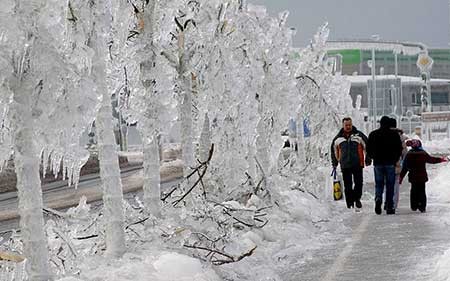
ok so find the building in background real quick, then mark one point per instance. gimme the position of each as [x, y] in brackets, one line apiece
[356, 61]
[402, 82]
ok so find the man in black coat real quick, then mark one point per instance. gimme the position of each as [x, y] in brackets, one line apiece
[385, 148]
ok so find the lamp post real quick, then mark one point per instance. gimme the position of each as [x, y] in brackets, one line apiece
[375, 37]
[396, 64]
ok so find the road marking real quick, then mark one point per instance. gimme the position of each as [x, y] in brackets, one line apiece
[339, 263]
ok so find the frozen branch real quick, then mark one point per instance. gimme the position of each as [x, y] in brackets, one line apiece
[203, 166]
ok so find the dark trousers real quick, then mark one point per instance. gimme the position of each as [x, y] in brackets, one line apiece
[418, 197]
[352, 192]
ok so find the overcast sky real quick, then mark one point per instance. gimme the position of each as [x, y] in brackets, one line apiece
[425, 21]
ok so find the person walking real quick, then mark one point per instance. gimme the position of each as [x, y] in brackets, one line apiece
[414, 163]
[348, 149]
[384, 147]
[398, 165]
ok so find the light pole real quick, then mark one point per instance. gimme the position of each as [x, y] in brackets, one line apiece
[375, 37]
[396, 64]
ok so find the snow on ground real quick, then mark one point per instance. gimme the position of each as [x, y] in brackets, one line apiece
[439, 182]
[439, 177]
[443, 268]
[438, 187]
[301, 224]
[146, 266]
[441, 146]
[304, 220]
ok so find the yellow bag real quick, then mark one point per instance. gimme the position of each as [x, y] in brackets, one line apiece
[337, 188]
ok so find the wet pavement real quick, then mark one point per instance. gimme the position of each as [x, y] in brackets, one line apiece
[404, 246]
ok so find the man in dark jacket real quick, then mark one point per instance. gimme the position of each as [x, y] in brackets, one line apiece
[348, 149]
[385, 148]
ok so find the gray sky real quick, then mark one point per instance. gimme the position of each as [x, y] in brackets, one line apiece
[425, 21]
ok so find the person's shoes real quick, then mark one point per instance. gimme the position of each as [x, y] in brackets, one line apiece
[350, 205]
[422, 210]
[378, 207]
[414, 208]
[358, 204]
[390, 212]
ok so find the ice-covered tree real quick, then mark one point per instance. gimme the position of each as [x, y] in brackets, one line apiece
[46, 106]
[250, 86]
[107, 24]
[224, 97]
[152, 102]
[104, 16]
[185, 51]
[277, 93]
[325, 96]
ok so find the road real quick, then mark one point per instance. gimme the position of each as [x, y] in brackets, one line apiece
[58, 195]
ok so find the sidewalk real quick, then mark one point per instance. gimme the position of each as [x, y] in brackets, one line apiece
[399, 247]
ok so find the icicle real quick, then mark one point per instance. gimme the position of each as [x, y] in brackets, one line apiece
[70, 168]
[64, 172]
[76, 174]
[45, 159]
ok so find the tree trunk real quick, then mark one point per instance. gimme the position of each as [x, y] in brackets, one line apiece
[205, 140]
[27, 161]
[184, 91]
[149, 125]
[262, 148]
[111, 181]
[152, 186]
[186, 130]
[107, 149]
[251, 160]
[301, 154]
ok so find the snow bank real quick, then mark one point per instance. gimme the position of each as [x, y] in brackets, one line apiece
[146, 266]
[439, 183]
[186, 269]
[439, 187]
[440, 176]
[437, 146]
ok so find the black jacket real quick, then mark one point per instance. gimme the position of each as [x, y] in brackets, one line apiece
[385, 146]
[349, 150]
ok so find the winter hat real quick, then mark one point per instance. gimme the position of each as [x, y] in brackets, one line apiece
[385, 122]
[413, 143]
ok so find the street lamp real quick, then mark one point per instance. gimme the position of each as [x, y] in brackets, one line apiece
[425, 63]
